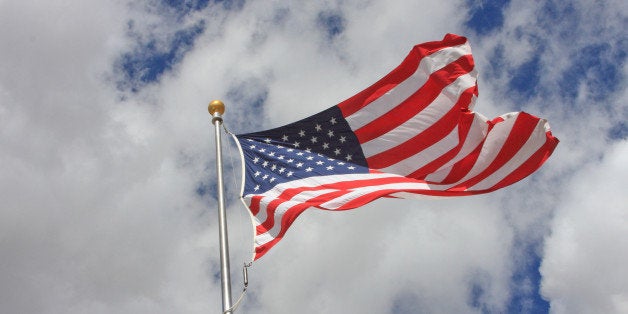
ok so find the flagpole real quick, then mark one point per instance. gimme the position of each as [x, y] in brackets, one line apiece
[216, 109]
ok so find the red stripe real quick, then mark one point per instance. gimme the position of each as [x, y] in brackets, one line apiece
[529, 166]
[524, 126]
[254, 207]
[399, 74]
[288, 218]
[434, 133]
[417, 102]
[464, 126]
[462, 167]
[341, 187]
[272, 207]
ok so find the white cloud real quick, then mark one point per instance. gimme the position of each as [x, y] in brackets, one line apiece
[99, 208]
[584, 267]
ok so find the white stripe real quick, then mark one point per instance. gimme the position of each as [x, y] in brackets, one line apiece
[261, 239]
[299, 198]
[409, 86]
[534, 142]
[492, 145]
[261, 213]
[278, 215]
[477, 133]
[422, 158]
[422, 120]
[319, 181]
[281, 209]
[335, 203]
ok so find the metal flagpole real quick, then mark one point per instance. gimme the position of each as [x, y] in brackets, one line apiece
[216, 109]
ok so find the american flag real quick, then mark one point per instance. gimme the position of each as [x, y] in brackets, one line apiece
[412, 133]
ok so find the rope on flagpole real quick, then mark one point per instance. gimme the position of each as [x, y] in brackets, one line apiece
[235, 180]
[235, 139]
[245, 273]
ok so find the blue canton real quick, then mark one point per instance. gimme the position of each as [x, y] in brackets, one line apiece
[320, 145]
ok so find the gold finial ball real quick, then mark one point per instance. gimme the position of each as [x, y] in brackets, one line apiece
[216, 106]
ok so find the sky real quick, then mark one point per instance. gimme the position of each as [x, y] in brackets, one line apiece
[107, 163]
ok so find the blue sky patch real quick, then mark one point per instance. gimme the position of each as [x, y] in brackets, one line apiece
[149, 60]
[477, 291]
[526, 281]
[231, 4]
[332, 23]
[619, 131]
[186, 6]
[407, 303]
[250, 94]
[497, 63]
[486, 16]
[526, 77]
[597, 65]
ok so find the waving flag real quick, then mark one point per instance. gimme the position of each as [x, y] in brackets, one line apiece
[412, 133]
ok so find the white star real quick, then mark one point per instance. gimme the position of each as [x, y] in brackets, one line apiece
[250, 140]
[333, 120]
[325, 145]
[261, 150]
[296, 144]
[289, 150]
[267, 140]
[255, 160]
[320, 162]
[271, 154]
[314, 139]
[299, 165]
[264, 164]
[289, 174]
[301, 133]
[318, 127]
[273, 167]
[265, 177]
[279, 146]
[308, 169]
[330, 159]
[337, 151]
[343, 139]
[272, 179]
[282, 169]
[290, 160]
[330, 168]
[257, 173]
[309, 150]
[340, 163]
[330, 133]
[348, 157]
[300, 153]
[351, 167]
[281, 157]
[284, 138]
[256, 187]
[252, 146]
[309, 158]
